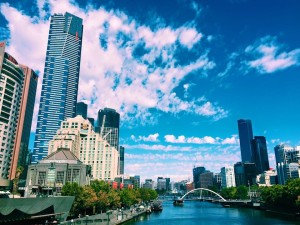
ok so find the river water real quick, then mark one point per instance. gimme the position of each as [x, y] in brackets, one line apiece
[196, 212]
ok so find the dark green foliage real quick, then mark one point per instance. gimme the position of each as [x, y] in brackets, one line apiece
[99, 197]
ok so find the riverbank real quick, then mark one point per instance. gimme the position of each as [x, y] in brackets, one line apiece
[113, 217]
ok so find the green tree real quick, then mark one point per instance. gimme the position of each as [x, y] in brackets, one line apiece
[73, 189]
[242, 192]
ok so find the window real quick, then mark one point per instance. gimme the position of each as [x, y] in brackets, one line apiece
[41, 178]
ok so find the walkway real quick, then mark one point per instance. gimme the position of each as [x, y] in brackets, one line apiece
[115, 218]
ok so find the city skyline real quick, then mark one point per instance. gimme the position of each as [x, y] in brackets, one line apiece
[179, 74]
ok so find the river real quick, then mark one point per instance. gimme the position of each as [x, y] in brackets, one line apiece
[195, 212]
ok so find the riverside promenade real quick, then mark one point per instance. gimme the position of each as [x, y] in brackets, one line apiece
[112, 217]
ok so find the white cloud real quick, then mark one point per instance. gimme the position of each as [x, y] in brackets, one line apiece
[269, 57]
[149, 138]
[170, 138]
[111, 74]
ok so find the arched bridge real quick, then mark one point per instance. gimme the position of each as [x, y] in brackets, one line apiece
[203, 189]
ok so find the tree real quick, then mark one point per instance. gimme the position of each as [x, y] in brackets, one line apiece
[16, 180]
[73, 189]
[242, 192]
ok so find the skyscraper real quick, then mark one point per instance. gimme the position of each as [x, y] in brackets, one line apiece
[261, 158]
[108, 123]
[196, 175]
[17, 95]
[246, 137]
[60, 80]
[21, 151]
[81, 109]
[11, 86]
[121, 160]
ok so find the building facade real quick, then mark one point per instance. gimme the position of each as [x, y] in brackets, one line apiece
[77, 134]
[17, 95]
[227, 176]
[108, 124]
[196, 175]
[260, 150]
[121, 160]
[55, 171]
[81, 109]
[60, 81]
[246, 137]
[21, 150]
[287, 162]
[245, 174]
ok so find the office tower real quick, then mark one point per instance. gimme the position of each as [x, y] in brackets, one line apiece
[228, 179]
[218, 181]
[77, 135]
[245, 173]
[196, 175]
[149, 184]
[21, 151]
[81, 109]
[261, 158]
[246, 137]
[206, 179]
[60, 80]
[121, 160]
[137, 181]
[108, 123]
[17, 95]
[287, 160]
[92, 121]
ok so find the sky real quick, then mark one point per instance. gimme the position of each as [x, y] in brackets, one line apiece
[179, 72]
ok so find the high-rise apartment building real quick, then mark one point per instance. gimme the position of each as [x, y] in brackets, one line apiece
[261, 158]
[108, 124]
[227, 175]
[77, 135]
[21, 151]
[81, 109]
[60, 80]
[11, 87]
[246, 137]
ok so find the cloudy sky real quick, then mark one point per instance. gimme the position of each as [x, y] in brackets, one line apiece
[181, 73]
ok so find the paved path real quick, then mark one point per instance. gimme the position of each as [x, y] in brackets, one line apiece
[116, 217]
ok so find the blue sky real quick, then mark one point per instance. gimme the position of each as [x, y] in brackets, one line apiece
[181, 73]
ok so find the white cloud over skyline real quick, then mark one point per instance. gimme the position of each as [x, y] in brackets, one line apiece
[112, 75]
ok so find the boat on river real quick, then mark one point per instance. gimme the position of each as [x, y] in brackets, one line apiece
[178, 202]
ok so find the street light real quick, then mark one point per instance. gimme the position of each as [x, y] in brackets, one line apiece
[86, 219]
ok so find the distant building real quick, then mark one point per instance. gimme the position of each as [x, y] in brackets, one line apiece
[77, 135]
[55, 171]
[245, 174]
[108, 124]
[60, 80]
[218, 181]
[206, 179]
[121, 160]
[149, 184]
[287, 160]
[137, 181]
[81, 109]
[267, 178]
[92, 121]
[228, 179]
[161, 184]
[196, 175]
[246, 137]
[261, 158]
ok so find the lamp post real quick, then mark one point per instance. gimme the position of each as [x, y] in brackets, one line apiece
[86, 219]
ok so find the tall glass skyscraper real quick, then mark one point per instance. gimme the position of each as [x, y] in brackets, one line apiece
[108, 123]
[261, 158]
[60, 80]
[246, 137]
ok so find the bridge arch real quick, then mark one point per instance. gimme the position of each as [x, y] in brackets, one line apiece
[204, 189]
